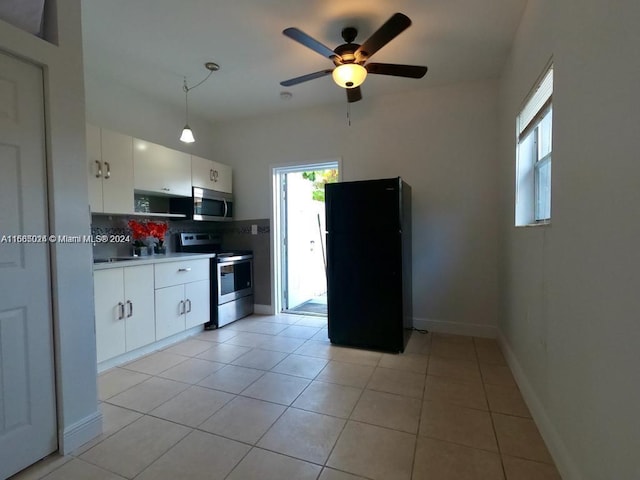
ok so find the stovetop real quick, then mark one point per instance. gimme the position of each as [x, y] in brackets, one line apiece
[208, 243]
[204, 242]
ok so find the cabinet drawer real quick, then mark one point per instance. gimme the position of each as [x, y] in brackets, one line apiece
[176, 273]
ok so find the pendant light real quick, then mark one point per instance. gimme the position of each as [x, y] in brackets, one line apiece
[187, 133]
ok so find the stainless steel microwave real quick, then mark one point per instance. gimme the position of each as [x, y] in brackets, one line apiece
[205, 205]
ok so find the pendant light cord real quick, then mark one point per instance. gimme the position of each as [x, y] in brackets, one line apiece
[187, 89]
[186, 101]
[187, 134]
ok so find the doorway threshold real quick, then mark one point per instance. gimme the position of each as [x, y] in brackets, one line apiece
[316, 306]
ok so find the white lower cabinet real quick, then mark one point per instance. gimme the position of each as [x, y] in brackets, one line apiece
[182, 299]
[139, 305]
[198, 306]
[139, 312]
[124, 310]
[170, 306]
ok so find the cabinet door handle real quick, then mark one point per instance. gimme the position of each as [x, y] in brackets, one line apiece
[188, 302]
[108, 174]
[181, 307]
[165, 189]
[186, 269]
[120, 310]
[215, 175]
[130, 303]
[99, 172]
[226, 209]
[211, 174]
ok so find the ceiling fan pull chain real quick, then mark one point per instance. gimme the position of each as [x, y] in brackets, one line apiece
[349, 114]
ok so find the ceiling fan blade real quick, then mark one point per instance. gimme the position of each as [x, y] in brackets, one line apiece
[410, 71]
[306, 78]
[353, 94]
[309, 42]
[387, 32]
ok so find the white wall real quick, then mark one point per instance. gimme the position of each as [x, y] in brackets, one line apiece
[441, 141]
[571, 305]
[124, 110]
[78, 417]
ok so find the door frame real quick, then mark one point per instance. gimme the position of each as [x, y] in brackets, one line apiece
[277, 241]
[78, 414]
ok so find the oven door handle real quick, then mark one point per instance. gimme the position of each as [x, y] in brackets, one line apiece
[234, 260]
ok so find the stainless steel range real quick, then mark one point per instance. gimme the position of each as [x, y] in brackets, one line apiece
[231, 274]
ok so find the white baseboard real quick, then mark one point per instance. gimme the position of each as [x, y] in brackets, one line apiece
[263, 309]
[456, 328]
[76, 435]
[152, 347]
[566, 466]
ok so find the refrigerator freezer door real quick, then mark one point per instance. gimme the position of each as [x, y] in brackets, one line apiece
[366, 206]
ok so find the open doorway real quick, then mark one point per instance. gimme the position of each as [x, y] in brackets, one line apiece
[299, 230]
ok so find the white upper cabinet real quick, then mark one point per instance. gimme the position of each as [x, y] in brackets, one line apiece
[209, 174]
[161, 170]
[94, 168]
[117, 184]
[119, 164]
[110, 170]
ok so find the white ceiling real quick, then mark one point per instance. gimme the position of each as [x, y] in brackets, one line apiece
[150, 45]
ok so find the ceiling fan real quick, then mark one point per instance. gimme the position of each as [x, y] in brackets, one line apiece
[350, 58]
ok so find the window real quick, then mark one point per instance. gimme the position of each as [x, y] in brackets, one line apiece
[534, 153]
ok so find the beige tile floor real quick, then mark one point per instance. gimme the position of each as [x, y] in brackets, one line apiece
[268, 397]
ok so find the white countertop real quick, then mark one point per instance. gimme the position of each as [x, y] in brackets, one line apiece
[151, 259]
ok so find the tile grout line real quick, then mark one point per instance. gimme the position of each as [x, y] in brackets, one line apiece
[290, 405]
[346, 421]
[422, 401]
[493, 425]
[287, 407]
[153, 461]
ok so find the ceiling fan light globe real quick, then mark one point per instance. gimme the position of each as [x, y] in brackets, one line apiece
[349, 75]
[187, 135]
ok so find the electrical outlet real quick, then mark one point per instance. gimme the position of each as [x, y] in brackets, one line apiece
[254, 229]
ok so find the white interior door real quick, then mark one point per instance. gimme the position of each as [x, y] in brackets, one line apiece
[27, 394]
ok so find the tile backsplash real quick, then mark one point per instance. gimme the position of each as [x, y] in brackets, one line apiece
[235, 235]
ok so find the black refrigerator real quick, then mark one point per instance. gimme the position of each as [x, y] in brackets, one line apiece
[369, 263]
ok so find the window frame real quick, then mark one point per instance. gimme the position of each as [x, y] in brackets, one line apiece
[537, 216]
[529, 158]
[540, 162]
